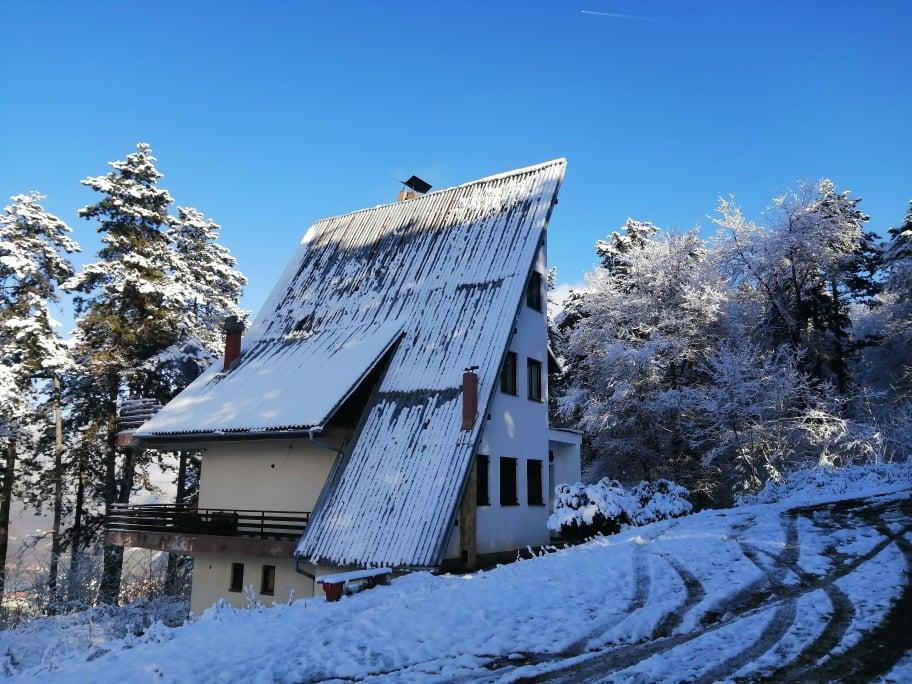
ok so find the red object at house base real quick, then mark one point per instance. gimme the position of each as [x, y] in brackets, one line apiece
[333, 590]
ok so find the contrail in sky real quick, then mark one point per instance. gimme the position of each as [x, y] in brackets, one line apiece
[616, 16]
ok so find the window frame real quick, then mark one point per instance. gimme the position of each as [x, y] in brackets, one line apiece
[268, 571]
[482, 465]
[237, 587]
[538, 385]
[534, 496]
[534, 286]
[510, 362]
[511, 464]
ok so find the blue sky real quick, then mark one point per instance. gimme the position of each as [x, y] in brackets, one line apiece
[269, 115]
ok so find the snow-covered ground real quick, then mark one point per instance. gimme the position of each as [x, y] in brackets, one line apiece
[812, 585]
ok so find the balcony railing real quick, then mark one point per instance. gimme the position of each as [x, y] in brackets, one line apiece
[185, 519]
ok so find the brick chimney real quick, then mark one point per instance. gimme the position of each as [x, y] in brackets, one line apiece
[233, 329]
[469, 398]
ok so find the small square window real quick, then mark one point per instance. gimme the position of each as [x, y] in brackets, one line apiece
[534, 291]
[508, 374]
[534, 369]
[534, 482]
[508, 482]
[267, 582]
[237, 577]
[483, 495]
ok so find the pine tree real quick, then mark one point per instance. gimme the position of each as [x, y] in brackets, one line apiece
[128, 306]
[209, 288]
[33, 264]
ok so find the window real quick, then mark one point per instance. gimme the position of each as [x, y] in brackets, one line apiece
[237, 577]
[534, 291]
[508, 374]
[267, 582]
[534, 482]
[535, 379]
[508, 482]
[482, 496]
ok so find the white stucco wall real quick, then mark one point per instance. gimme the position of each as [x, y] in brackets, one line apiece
[518, 428]
[269, 475]
[280, 475]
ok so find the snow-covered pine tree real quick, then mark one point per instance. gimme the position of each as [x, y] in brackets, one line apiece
[33, 264]
[128, 309]
[210, 287]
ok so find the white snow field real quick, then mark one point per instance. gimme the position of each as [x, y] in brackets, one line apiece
[812, 586]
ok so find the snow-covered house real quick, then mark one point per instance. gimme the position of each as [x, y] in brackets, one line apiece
[388, 406]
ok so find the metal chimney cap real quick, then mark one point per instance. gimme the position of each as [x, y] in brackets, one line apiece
[417, 184]
[233, 324]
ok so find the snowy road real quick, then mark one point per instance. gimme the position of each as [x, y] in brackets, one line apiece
[754, 593]
[831, 603]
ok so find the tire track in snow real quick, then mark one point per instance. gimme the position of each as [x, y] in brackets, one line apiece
[600, 665]
[880, 648]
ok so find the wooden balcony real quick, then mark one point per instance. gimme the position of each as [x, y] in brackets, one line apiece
[187, 529]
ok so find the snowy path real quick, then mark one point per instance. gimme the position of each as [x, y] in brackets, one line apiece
[747, 594]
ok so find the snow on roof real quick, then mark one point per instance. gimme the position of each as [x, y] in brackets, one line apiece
[452, 266]
[290, 383]
[441, 277]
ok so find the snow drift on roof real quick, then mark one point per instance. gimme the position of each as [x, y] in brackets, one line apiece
[291, 383]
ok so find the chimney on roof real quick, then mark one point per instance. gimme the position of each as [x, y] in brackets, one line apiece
[233, 329]
[414, 188]
[469, 398]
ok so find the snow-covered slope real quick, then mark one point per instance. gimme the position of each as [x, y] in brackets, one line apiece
[785, 590]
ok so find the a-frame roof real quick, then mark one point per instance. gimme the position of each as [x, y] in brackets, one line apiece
[427, 287]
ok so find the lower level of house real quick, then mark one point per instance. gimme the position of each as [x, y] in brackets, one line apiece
[256, 497]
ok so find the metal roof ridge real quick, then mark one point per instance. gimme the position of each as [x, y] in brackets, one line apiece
[487, 179]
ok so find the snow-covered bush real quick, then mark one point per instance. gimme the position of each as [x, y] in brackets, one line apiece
[583, 510]
[606, 507]
[658, 500]
[46, 641]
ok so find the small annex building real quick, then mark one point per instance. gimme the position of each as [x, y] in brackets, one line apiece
[388, 406]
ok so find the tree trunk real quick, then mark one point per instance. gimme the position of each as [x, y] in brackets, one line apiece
[839, 354]
[113, 555]
[58, 497]
[8, 475]
[76, 544]
[174, 559]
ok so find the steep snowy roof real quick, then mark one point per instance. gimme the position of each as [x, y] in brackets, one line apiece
[436, 282]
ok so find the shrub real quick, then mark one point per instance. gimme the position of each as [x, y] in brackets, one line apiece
[606, 507]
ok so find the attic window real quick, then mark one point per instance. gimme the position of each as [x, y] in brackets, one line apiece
[534, 291]
[508, 374]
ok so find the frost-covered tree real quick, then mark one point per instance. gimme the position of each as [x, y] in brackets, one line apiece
[209, 286]
[129, 309]
[808, 267]
[637, 335]
[33, 263]
[757, 414]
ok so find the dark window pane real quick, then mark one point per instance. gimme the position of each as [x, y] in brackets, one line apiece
[534, 482]
[535, 379]
[267, 584]
[237, 577]
[482, 463]
[508, 374]
[534, 291]
[508, 482]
